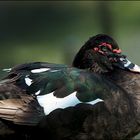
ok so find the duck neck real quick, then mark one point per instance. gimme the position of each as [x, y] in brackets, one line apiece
[130, 82]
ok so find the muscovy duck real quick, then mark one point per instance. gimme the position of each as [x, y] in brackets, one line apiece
[95, 98]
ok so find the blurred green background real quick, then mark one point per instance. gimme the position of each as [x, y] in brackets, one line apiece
[54, 31]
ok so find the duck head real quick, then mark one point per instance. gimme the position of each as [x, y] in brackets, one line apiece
[101, 53]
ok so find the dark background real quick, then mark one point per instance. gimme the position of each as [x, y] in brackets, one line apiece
[53, 31]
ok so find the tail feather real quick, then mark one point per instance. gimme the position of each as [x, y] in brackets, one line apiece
[25, 111]
[17, 106]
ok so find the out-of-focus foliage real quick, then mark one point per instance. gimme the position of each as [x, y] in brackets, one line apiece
[54, 31]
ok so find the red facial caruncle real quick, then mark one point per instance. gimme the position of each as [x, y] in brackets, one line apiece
[109, 46]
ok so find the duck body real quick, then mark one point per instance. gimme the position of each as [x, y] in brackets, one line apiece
[115, 118]
[123, 108]
[95, 98]
[129, 82]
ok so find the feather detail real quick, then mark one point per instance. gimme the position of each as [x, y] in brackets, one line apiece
[25, 111]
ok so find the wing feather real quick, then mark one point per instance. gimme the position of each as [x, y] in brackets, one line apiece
[64, 80]
[18, 107]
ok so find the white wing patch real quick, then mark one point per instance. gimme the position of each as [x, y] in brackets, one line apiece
[28, 81]
[39, 70]
[49, 102]
[7, 70]
[55, 70]
[38, 92]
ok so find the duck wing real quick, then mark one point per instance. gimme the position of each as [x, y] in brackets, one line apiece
[76, 103]
[60, 86]
[17, 106]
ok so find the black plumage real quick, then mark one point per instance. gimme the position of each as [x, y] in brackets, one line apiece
[95, 98]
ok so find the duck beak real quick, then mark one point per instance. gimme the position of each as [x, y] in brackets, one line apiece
[124, 63]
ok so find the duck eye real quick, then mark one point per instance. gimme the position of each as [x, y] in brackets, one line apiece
[104, 48]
